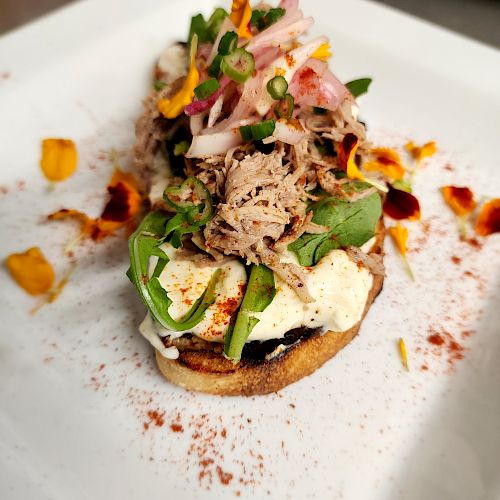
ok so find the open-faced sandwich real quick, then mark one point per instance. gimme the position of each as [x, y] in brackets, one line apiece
[262, 248]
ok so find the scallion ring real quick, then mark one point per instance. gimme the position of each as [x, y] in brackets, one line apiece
[238, 65]
[277, 87]
[228, 43]
[214, 68]
[206, 89]
[258, 131]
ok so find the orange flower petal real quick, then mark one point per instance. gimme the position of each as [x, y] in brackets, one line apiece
[123, 205]
[459, 199]
[387, 161]
[399, 234]
[400, 205]
[31, 271]
[488, 221]
[421, 152]
[241, 13]
[59, 159]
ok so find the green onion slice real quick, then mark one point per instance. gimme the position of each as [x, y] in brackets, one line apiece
[285, 107]
[191, 198]
[238, 65]
[214, 68]
[258, 131]
[215, 22]
[206, 89]
[228, 43]
[277, 87]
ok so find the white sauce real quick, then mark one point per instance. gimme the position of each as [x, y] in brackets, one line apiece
[340, 288]
[184, 282]
[338, 284]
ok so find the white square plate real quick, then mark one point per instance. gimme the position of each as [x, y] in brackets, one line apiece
[79, 387]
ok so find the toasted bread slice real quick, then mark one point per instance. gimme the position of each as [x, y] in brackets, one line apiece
[206, 369]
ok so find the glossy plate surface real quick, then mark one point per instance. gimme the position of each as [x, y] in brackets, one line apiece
[84, 413]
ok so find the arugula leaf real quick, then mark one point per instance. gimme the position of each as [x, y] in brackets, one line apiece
[358, 87]
[350, 223]
[143, 244]
[258, 295]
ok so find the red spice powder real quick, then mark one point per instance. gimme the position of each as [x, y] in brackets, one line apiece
[456, 260]
[156, 418]
[475, 243]
[177, 427]
[224, 477]
[435, 339]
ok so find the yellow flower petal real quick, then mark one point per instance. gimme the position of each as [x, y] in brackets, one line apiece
[241, 13]
[421, 152]
[31, 271]
[404, 354]
[59, 159]
[173, 107]
[323, 52]
[399, 234]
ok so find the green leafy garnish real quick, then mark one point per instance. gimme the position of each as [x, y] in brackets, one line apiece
[258, 295]
[143, 245]
[262, 19]
[207, 31]
[358, 87]
[159, 85]
[350, 223]
[194, 207]
[181, 148]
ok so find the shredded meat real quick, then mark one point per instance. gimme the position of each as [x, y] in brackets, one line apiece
[372, 261]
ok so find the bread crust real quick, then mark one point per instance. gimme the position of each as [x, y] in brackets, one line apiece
[207, 371]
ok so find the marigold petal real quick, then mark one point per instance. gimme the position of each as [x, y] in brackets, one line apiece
[241, 13]
[174, 106]
[125, 203]
[31, 271]
[421, 152]
[488, 221]
[399, 234]
[400, 205]
[59, 159]
[346, 156]
[459, 199]
[323, 52]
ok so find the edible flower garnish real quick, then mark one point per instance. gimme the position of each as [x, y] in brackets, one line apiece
[241, 13]
[488, 221]
[421, 152]
[346, 156]
[31, 271]
[400, 205]
[173, 107]
[323, 52]
[399, 235]
[461, 201]
[59, 159]
[35, 275]
[123, 205]
[404, 354]
[387, 161]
